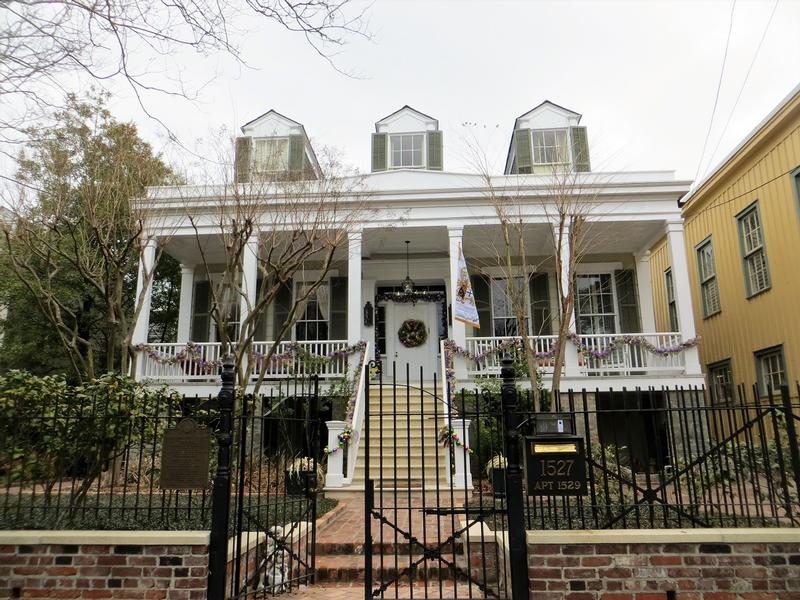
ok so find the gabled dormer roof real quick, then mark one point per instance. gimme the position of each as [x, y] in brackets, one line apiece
[546, 115]
[274, 124]
[407, 114]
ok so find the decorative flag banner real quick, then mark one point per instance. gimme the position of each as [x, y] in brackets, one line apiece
[464, 305]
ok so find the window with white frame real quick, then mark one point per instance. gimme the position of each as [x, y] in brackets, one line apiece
[407, 150]
[270, 155]
[550, 146]
[770, 369]
[751, 236]
[594, 301]
[313, 321]
[707, 272]
[504, 297]
[720, 379]
[672, 305]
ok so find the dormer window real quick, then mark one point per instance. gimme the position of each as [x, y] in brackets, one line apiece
[407, 150]
[550, 146]
[270, 155]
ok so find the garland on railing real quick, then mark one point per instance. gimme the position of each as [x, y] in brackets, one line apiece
[631, 340]
[344, 438]
[192, 352]
[448, 436]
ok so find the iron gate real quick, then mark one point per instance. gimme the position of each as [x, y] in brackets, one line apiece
[434, 517]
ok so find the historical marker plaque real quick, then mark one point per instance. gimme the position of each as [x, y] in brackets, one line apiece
[185, 457]
[556, 465]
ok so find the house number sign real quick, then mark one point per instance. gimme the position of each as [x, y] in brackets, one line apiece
[556, 465]
[185, 457]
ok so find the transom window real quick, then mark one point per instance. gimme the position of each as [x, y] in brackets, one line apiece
[407, 150]
[720, 378]
[707, 272]
[504, 319]
[594, 294]
[753, 252]
[671, 304]
[313, 322]
[771, 369]
[270, 155]
[550, 146]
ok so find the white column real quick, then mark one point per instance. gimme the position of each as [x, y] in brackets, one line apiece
[249, 279]
[462, 475]
[458, 330]
[185, 306]
[334, 476]
[645, 291]
[571, 368]
[355, 310]
[683, 293]
[146, 266]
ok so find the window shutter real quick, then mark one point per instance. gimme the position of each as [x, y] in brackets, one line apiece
[580, 149]
[524, 154]
[379, 143]
[540, 304]
[627, 304]
[297, 153]
[435, 151]
[337, 324]
[243, 159]
[483, 302]
[283, 306]
[200, 316]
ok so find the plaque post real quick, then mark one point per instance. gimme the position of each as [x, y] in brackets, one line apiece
[517, 544]
[221, 494]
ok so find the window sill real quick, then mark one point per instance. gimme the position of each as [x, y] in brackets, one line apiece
[758, 293]
[712, 315]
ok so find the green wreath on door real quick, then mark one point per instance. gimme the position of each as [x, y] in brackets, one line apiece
[412, 333]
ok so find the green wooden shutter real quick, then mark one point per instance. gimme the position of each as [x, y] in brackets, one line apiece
[261, 322]
[200, 311]
[580, 149]
[283, 306]
[337, 324]
[483, 302]
[627, 304]
[524, 153]
[540, 304]
[379, 149]
[297, 153]
[243, 159]
[435, 157]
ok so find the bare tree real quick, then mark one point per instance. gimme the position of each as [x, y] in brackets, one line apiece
[297, 225]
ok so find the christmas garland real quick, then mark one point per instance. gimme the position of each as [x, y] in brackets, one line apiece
[448, 437]
[412, 333]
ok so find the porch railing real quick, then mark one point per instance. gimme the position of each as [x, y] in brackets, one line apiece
[606, 354]
[171, 363]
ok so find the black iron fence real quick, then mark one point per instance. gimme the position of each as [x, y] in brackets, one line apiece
[666, 458]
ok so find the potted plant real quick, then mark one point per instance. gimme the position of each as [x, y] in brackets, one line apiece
[496, 473]
[304, 476]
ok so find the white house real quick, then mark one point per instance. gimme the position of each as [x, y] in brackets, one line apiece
[421, 214]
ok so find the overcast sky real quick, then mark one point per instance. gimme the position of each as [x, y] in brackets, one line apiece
[643, 75]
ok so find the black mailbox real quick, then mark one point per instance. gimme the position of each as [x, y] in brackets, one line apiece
[555, 457]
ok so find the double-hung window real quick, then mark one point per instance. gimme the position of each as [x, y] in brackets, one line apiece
[720, 379]
[770, 369]
[595, 303]
[313, 321]
[672, 305]
[707, 272]
[751, 237]
[550, 146]
[505, 297]
[407, 150]
[270, 155]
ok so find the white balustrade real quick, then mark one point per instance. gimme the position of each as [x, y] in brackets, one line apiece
[492, 363]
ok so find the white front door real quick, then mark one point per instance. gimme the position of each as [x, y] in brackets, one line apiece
[423, 356]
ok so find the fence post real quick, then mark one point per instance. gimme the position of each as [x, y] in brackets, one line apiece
[221, 494]
[791, 433]
[517, 544]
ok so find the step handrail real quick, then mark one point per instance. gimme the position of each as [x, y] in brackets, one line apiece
[358, 416]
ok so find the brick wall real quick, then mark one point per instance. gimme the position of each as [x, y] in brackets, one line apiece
[692, 570]
[136, 569]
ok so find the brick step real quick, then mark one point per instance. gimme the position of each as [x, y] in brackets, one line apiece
[351, 568]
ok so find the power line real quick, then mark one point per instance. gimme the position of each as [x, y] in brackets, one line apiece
[744, 83]
[719, 86]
